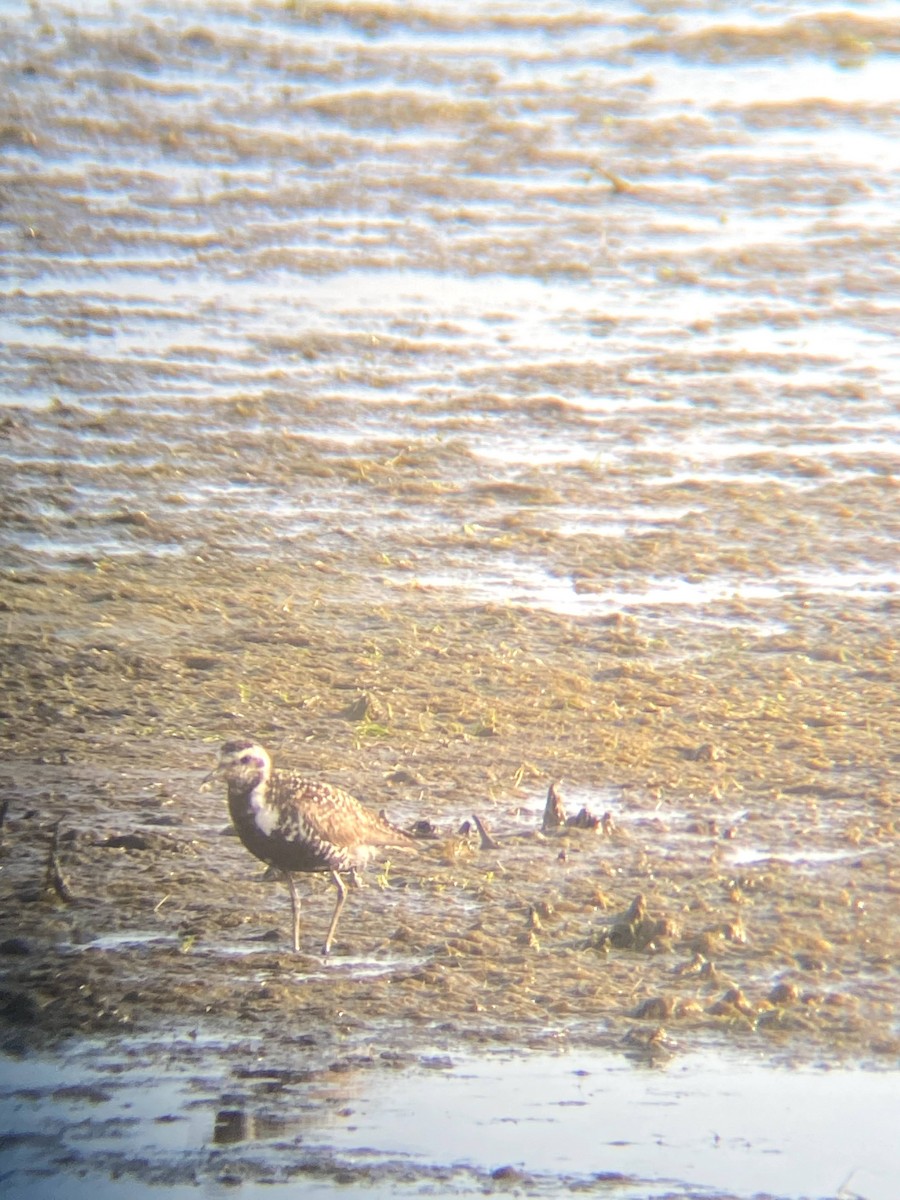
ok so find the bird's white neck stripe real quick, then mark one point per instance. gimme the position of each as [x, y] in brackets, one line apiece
[264, 815]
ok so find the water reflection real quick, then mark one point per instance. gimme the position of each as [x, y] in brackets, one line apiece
[692, 1122]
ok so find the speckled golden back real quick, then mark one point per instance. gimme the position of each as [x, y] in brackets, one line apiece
[332, 815]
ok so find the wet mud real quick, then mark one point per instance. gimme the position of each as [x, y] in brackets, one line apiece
[723, 877]
[463, 403]
[743, 802]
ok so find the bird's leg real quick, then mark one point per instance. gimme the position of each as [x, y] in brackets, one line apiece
[295, 910]
[341, 897]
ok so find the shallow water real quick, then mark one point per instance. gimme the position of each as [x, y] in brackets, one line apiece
[585, 1122]
[461, 397]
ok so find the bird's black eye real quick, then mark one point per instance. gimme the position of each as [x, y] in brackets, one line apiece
[246, 760]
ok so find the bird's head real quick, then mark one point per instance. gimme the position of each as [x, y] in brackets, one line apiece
[241, 762]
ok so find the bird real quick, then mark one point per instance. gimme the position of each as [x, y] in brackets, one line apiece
[299, 825]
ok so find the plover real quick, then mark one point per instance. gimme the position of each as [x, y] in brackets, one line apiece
[298, 825]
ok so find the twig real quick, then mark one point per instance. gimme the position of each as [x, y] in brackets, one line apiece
[54, 878]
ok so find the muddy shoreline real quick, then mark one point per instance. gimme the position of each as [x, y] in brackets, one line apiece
[744, 791]
[457, 402]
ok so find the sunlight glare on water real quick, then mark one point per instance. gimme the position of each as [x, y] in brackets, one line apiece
[700, 1121]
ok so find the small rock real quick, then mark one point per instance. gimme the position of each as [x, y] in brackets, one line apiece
[508, 1175]
[17, 946]
[655, 1008]
[424, 829]
[19, 1008]
[127, 841]
[583, 819]
[784, 993]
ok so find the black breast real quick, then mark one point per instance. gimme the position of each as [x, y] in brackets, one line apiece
[284, 836]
